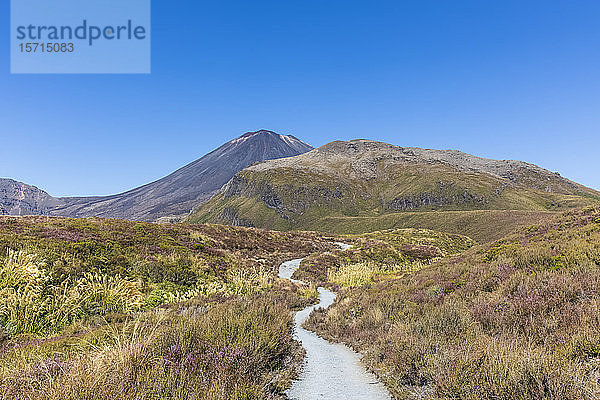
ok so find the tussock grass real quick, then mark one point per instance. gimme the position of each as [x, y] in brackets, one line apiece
[391, 252]
[357, 274]
[363, 273]
[108, 309]
[31, 303]
[58, 271]
[235, 350]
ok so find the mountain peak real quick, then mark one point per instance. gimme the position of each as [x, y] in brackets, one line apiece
[178, 193]
[267, 136]
[259, 132]
[351, 183]
[18, 198]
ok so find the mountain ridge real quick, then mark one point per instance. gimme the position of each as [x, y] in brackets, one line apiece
[501, 168]
[364, 178]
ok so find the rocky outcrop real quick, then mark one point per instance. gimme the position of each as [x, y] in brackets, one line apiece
[446, 194]
[17, 198]
[421, 200]
[297, 198]
[229, 216]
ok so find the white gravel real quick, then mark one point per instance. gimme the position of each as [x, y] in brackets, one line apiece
[332, 371]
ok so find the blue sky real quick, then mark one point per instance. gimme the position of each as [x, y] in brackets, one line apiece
[506, 80]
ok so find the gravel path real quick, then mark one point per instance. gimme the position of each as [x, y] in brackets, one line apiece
[332, 370]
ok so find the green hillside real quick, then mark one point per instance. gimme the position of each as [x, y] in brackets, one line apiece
[361, 185]
[480, 225]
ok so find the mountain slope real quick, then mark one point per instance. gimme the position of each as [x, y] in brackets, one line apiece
[177, 193]
[17, 198]
[362, 178]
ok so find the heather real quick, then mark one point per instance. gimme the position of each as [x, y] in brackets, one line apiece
[381, 254]
[233, 350]
[98, 308]
[56, 271]
[515, 319]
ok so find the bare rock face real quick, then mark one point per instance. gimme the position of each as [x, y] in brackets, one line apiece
[17, 198]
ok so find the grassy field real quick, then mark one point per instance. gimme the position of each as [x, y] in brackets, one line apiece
[95, 308]
[235, 349]
[515, 319]
[480, 225]
[381, 254]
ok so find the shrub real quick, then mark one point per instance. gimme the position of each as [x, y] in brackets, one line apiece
[30, 303]
[356, 274]
[235, 350]
[21, 269]
[103, 294]
[517, 319]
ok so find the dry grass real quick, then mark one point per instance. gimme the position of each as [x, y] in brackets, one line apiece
[517, 319]
[484, 226]
[363, 273]
[31, 303]
[391, 252]
[58, 271]
[235, 350]
[92, 309]
[108, 309]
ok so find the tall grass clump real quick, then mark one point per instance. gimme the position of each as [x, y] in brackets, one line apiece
[235, 350]
[105, 294]
[363, 273]
[356, 274]
[31, 302]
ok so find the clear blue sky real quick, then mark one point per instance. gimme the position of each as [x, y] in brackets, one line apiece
[503, 79]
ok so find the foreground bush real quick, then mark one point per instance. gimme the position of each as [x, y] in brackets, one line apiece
[57, 271]
[235, 350]
[108, 309]
[30, 303]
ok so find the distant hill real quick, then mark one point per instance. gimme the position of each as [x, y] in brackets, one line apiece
[173, 196]
[17, 198]
[366, 180]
